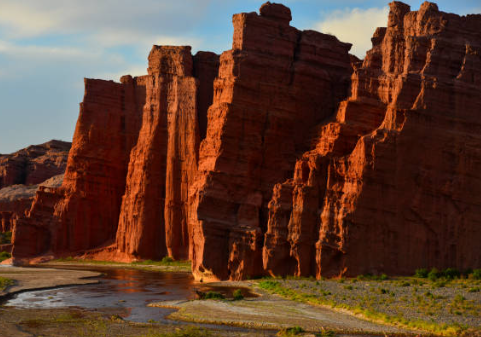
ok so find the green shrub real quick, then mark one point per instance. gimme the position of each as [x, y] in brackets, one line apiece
[185, 332]
[4, 256]
[421, 273]
[238, 295]
[213, 295]
[5, 282]
[451, 273]
[434, 274]
[5, 238]
[477, 274]
[325, 333]
[167, 259]
[294, 331]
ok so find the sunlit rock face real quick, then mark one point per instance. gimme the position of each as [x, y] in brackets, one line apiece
[283, 156]
[393, 183]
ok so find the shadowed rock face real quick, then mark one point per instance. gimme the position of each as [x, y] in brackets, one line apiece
[34, 164]
[393, 183]
[20, 174]
[260, 162]
[273, 86]
[153, 220]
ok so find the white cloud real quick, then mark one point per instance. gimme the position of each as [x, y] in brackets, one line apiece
[32, 18]
[355, 26]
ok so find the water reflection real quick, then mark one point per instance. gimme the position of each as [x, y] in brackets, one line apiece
[130, 289]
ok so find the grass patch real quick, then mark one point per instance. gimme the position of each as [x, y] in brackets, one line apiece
[5, 282]
[238, 295]
[364, 308]
[185, 332]
[293, 331]
[5, 238]
[165, 262]
[4, 256]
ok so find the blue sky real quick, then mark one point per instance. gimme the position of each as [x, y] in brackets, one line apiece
[47, 47]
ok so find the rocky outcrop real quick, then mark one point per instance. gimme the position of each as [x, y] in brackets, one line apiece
[153, 220]
[273, 86]
[393, 182]
[260, 162]
[22, 172]
[83, 213]
[34, 164]
[133, 158]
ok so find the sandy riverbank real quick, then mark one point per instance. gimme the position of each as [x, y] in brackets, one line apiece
[42, 278]
[274, 312]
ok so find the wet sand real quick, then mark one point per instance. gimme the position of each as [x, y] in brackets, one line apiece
[42, 278]
[273, 312]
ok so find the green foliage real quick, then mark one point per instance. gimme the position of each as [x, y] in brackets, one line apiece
[5, 282]
[434, 274]
[451, 273]
[185, 332]
[371, 277]
[293, 331]
[4, 256]
[238, 295]
[477, 274]
[325, 333]
[213, 295]
[5, 238]
[421, 273]
[167, 259]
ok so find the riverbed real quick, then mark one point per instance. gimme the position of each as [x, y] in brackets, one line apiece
[166, 298]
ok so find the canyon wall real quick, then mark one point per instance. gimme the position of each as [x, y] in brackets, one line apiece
[34, 164]
[22, 172]
[153, 219]
[393, 183]
[273, 86]
[283, 156]
[83, 213]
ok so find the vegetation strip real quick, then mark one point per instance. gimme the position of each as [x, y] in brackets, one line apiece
[166, 264]
[5, 282]
[439, 302]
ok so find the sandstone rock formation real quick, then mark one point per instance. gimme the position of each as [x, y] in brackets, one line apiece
[260, 162]
[273, 86]
[393, 182]
[83, 213]
[153, 220]
[22, 172]
[34, 164]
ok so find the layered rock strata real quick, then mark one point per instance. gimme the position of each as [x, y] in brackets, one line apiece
[83, 213]
[153, 219]
[273, 86]
[34, 164]
[133, 157]
[259, 162]
[22, 172]
[393, 183]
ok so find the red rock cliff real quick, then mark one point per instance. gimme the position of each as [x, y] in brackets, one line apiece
[272, 167]
[20, 174]
[83, 213]
[153, 220]
[34, 164]
[273, 86]
[393, 182]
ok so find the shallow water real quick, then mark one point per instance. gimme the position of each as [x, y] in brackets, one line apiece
[128, 289]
